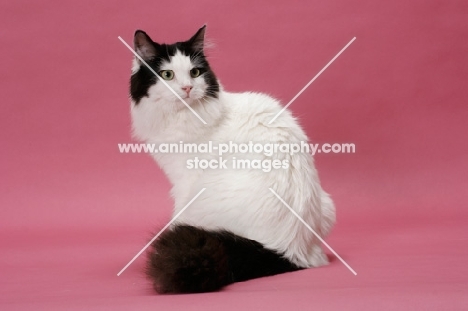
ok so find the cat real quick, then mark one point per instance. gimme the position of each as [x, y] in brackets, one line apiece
[237, 229]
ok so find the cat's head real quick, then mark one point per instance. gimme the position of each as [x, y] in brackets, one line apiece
[182, 65]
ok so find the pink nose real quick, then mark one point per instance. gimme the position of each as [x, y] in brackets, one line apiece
[187, 89]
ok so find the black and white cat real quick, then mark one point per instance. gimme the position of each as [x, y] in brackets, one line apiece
[237, 229]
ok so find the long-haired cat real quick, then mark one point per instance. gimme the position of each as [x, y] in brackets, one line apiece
[237, 229]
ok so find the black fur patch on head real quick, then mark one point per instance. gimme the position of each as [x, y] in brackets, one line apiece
[154, 54]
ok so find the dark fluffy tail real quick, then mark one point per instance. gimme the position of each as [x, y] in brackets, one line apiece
[187, 259]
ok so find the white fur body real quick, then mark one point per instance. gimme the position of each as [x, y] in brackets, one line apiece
[237, 200]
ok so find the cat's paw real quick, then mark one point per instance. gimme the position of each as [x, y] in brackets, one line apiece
[317, 257]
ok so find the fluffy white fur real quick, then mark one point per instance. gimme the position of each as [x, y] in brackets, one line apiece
[236, 200]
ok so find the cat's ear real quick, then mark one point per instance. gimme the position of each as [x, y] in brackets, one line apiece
[198, 39]
[144, 46]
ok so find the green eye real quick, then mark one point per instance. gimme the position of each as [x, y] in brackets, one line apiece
[167, 74]
[195, 72]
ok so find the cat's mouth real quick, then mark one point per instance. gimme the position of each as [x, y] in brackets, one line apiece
[188, 99]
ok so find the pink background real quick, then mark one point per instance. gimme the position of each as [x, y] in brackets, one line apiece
[74, 211]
